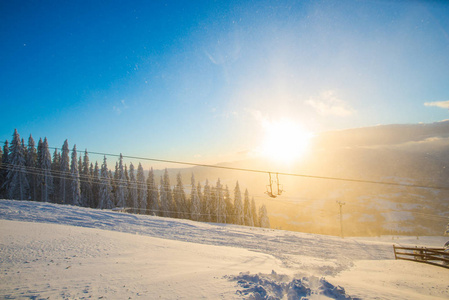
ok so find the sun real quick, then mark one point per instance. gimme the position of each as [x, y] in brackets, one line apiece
[284, 140]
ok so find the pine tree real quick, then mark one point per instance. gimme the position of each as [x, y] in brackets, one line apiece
[55, 172]
[254, 213]
[114, 183]
[167, 206]
[229, 206]
[65, 187]
[179, 196]
[105, 193]
[238, 206]
[39, 169]
[132, 190]
[127, 187]
[126, 174]
[195, 200]
[86, 182]
[220, 202]
[91, 170]
[16, 183]
[5, 155]
[164, 202]
[213, 204]
[31, 164]
[80, 166]
[247, 210]
[264, 221]
[152, 195]
[200, 196]
[141, 190]
[45, 179]
[207, 201]
[96, 182]
[4, 169]
[121, 190]
[75, 195]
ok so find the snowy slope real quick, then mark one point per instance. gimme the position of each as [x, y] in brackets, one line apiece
[151, 257]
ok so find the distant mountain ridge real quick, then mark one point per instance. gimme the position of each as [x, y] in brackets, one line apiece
[399, 153]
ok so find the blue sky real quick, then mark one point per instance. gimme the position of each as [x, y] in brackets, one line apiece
[193, 80]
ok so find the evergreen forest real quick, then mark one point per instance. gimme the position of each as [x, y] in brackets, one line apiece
[68, 177]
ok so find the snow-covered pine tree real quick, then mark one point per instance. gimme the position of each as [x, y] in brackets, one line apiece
[105, 193]
[65, 180]
[80, 166]
[152, 195]
[30, 163]
[179, 196]
[264, 221]
[200, 196]
[45, 179]
[141, 190]
[91, 170]
[86, 181]
[247, 210]
[121, 190]
[126, 174]
[114, 183]
[213, 205]
[16, 182]
[95, 175]
[127, 189]
[254, 213]
[55, 173]
[5, 154]
[195, 200]
[167, 205]
[165, 210]
[39, 169]
[4, 169]
[221, 204]
[229, 206]
[132, 190]
[207, 201]
[238, 206]
[75, 191]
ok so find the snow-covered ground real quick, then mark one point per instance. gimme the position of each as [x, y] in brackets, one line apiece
[65, 252]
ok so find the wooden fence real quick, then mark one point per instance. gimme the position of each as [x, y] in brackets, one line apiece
[432, 256]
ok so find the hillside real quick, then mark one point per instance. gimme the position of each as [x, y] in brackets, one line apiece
[414, 154]
[68, 252]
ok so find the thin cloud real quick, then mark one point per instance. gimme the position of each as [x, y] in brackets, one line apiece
[119, 108]
[440, 104]
[211, 58]
[328, 104]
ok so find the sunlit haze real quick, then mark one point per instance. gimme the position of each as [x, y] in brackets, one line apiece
[284, 141]
[184, 81]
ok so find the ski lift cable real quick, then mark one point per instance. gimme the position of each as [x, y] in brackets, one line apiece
[423, 186]
[142, 186]
[279, 173]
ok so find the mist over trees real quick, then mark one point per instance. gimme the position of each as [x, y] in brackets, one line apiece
[27, 173]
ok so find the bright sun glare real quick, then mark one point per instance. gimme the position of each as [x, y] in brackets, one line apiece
[285, 141]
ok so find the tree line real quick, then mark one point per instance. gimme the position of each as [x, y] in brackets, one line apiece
[30, 173]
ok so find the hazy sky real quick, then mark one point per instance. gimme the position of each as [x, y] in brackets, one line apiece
[195, 80]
